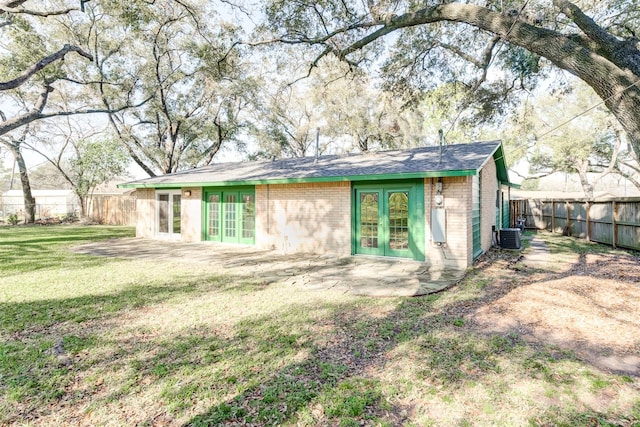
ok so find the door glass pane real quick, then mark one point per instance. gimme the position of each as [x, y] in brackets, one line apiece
[176, 213]
[399, 220]
[214, 214]
[369, 220]
[248, 216]
[230, 215]
[163, 213]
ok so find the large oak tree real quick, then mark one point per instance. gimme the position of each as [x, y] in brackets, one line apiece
[181, 58]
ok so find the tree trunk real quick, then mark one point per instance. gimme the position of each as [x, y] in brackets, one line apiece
[83, 205]
[587, 187]
[29, 201]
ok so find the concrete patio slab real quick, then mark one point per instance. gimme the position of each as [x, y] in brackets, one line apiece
[359, 275]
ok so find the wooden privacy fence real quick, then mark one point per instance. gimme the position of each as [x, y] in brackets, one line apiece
[613, 222]
[113, 209]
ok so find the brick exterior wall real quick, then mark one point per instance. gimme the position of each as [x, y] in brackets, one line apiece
[191, 214]
[145, 212]
[313, 218]
[488, 189]
[455, 252]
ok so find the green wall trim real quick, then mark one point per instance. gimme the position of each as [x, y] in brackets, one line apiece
[374, 177]
[501, 165]
[476, 217]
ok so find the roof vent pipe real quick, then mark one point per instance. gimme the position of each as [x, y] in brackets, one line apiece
[441, 138]
[317, 144]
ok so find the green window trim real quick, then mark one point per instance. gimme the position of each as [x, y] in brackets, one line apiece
[476, 214]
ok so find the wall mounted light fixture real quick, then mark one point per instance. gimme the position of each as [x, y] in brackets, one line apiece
[187, 193]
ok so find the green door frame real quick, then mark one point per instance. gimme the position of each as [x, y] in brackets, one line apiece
[234, 217]
[416, 218]
[376, 246]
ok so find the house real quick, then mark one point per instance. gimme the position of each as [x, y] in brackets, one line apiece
[440, 206]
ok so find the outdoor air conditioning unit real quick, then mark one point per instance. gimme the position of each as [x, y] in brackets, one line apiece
[510, 238]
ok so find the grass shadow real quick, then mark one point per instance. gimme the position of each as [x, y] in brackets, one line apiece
[36, 357]
[332, 384]
[344, 361]
[32, 248]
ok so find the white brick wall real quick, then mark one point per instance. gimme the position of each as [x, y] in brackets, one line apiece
[458, 250]
[191, 208]
[145, 212]
[191, 214]
[489, 188]
[455, 252]
[313, 218]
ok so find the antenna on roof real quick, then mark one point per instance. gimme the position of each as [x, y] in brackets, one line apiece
[317, 144]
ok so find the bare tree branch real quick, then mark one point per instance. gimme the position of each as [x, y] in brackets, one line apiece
[28, 73]
[37, 114]
[586, 24]
[13, 7]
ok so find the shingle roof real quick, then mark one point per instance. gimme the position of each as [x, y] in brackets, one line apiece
[456, 160]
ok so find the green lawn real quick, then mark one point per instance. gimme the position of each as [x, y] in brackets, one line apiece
[105, 341]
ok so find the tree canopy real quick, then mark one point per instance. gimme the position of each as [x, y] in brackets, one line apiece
[179, 62]
[431, 42]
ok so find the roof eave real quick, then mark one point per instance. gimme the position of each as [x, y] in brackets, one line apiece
[501, 165]
[349, 178]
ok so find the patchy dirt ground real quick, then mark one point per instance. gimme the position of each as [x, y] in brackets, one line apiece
[588, 303]
[590, 307]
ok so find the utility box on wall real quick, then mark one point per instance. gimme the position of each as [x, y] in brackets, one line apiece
[438, 225]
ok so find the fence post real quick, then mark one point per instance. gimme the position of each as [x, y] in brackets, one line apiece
[566, 206]
[587, 208]
[614, 214]
[553, 216]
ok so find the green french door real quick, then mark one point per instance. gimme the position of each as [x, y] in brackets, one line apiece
[230, 216]
[387, 222]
